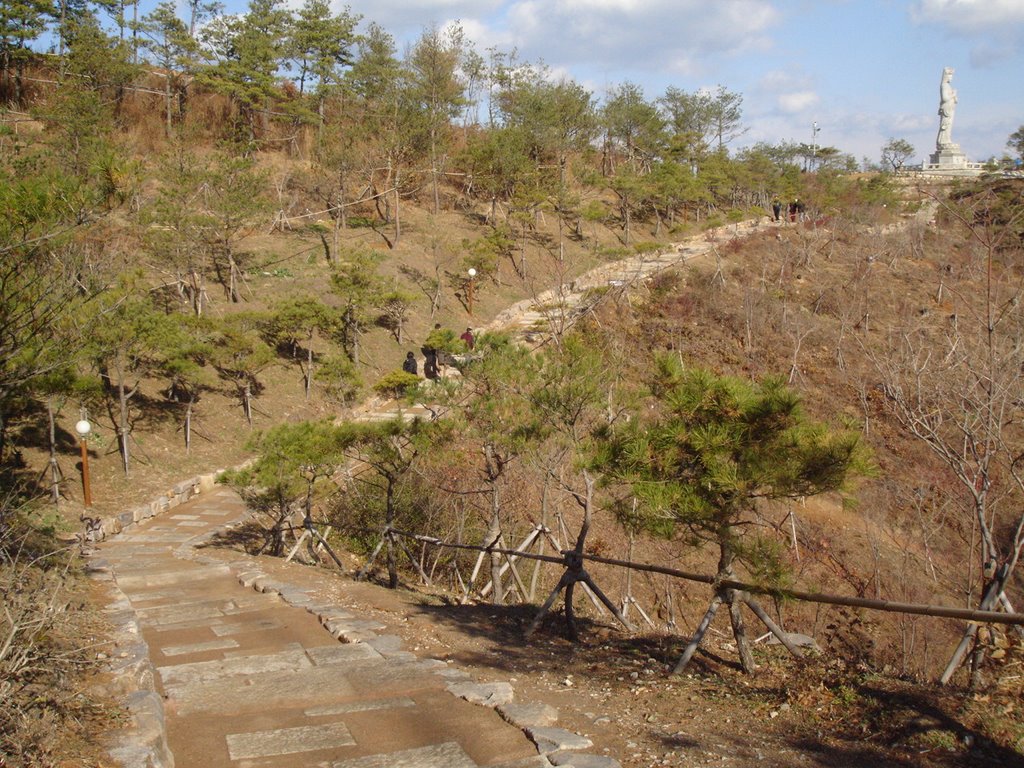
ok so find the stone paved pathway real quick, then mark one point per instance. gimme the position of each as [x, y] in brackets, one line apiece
[253, 673]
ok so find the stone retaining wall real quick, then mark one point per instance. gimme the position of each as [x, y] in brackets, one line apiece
[102, 528]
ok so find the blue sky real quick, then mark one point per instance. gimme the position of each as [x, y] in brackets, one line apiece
[864, 70]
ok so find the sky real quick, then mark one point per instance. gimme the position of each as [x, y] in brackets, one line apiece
[865, 71]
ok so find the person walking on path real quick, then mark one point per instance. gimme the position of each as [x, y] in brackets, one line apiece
[409, 364]
[776, 208]
[469, 339]
[430, 354]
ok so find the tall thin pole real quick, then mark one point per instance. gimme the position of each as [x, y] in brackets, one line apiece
[86, 489]
[814, 145]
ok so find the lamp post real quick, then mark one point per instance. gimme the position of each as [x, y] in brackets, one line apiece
[814, 144]
[469, 290]
[83, 428]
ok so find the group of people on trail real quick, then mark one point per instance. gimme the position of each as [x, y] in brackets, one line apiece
[795, 209]
[434, 359]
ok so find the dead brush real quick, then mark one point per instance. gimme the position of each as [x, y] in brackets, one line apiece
[45, 649]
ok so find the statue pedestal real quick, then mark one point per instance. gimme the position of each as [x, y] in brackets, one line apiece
[950, 161]
[948, 157]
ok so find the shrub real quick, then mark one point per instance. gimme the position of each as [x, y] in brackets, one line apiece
[396, 384]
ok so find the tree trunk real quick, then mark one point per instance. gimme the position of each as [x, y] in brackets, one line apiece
[247, 401]
[390, 519]
[188, 424]
[168, 103]
[233, 274]
[122, 424]
[398, 212]
[991, 596]
[739, 631]
[198, 292]
[308, 373]
[626, 218]
[54, 466]
[698, 636]
[433, 169]
[493, 534]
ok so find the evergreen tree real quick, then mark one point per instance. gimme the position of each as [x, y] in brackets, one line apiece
[21, 23]
[185, 351]
[320, 46]
[172, 49]
[130, 340]
[1016, 142]
[42, 292]
[81, 117]
[239, 355]
[392, 120]
[361, 289]
[703, 121]
[437, 87]
[296, 324]
[390, 450]
[249, 49]
[228, 203]
[713, 450]
[633, 127]
[498, 419]
[293, 466]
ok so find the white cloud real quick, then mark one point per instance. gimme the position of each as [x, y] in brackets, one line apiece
[907, 123]
[797, 101]
[603, 35]
[624, 35]
[406, 17]
[970, 16]
[793, 92]
[996, 27]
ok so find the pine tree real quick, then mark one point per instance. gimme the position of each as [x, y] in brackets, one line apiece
[320, 46]
[437, 87]
[716, 448]
[250, 49]
[361, 289]
[172, 49]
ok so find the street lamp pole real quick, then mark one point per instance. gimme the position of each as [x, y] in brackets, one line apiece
[469, 290]
[83, 428]
[814, 145]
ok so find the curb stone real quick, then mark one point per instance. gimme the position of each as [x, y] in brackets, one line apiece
[580, 760]
[549, 739]
[144, 742]
[528, 715]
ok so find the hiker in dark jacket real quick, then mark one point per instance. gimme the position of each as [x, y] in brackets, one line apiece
[409, 364]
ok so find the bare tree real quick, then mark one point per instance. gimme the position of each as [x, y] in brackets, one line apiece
[957, 387]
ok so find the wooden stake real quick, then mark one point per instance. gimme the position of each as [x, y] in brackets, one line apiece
[698, 636]
[773, 628]
[298, 544]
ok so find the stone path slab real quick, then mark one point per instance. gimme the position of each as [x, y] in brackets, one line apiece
[288, 741]
[449, 755]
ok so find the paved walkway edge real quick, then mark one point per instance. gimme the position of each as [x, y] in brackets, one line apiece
[142, 743]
